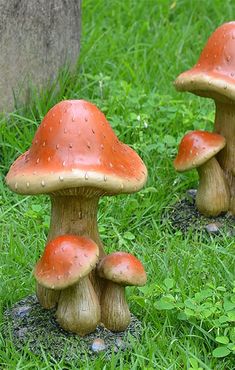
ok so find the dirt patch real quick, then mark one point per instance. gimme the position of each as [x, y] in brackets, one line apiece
[27, 323]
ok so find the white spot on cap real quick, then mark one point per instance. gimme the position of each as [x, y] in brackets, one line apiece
[64, 163]
[49, 158]
[73, 119]
[38, 160]
[44, 143]
[57, 146]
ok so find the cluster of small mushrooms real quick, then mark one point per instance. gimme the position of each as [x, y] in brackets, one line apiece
[213, 154]
[76, 158]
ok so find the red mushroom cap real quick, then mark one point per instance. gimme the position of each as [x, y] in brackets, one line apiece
[214, 74]
[122, 268]
[75, 146]
[196, 148]
[65, 260]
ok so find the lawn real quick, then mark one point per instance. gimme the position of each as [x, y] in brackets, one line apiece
[131, 52]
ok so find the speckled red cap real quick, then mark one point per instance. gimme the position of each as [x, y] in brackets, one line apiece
[122, 268]
[75, 146]
[214, 74]
[65, 260]
[196, 148]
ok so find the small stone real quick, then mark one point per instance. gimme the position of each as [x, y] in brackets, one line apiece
[21, 333]
[191, 193]
[231, 232]
[213, 228]
[120, 343]
[98, 345]
[22, 311]
[115, 349]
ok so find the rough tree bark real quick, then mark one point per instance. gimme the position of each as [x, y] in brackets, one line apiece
[37, 37]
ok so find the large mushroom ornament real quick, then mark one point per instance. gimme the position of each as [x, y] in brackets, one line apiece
[75, 158]
[214, 77]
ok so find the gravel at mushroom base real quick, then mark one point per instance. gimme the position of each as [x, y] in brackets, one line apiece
[184, 216]
[27, 323]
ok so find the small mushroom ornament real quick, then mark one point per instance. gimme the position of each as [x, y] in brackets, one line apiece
[65, 266]
[120, 269]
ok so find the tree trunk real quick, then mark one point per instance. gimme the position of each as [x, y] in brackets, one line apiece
[37, 37]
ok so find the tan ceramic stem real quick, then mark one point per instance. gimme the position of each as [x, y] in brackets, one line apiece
[225, 126]
[213, 192]
[79, 308]
[115, 314]
[72, 214]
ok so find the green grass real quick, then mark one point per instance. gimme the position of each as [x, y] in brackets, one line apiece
[131, 53]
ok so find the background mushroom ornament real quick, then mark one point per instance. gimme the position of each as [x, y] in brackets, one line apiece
[214, 77]
[76, 158]
[197, 150]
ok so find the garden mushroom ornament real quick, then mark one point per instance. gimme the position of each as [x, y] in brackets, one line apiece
[197, 150]
[214, 77]
[120, 269]
[76, 158]
[65, 266]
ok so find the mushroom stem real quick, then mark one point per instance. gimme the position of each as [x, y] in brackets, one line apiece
[225, 125]
[115, 314]
[73, 213]
[213, 192]
[47, 297]
[78, 308]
